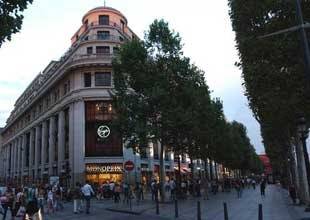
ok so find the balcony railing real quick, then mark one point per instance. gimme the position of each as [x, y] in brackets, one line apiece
[110, 24]
[80, 59]
[99, 37]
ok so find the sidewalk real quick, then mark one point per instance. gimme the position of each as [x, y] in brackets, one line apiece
[276, 206]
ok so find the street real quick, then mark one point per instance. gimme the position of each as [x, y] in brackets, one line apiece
[276, 206]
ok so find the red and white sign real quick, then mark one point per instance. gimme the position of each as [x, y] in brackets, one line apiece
[129, 165]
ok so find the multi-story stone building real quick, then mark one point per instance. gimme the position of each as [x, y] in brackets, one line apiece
[60, 125]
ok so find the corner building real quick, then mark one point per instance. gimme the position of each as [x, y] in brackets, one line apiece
[60, 124]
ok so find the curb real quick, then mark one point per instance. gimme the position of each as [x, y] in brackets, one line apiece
[124, 211]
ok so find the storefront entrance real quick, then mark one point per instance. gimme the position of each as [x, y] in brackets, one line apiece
[102, 173]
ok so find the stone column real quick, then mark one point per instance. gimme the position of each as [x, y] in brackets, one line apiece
[71, 142]
[51, 153]
[61, 140]
[23, 155]
[37, 151]
[31, 152]
[13, 157]
[18, 156]
[43, 148]
[78, 141]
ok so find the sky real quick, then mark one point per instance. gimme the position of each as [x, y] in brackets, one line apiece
[204, 26]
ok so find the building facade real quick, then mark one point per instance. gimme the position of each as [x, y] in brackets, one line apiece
[60, 125]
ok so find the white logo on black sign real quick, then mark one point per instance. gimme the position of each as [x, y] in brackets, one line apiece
[103, 131]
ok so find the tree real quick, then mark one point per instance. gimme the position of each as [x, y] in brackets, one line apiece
[155, 92]
[272, 69]
[11, 18]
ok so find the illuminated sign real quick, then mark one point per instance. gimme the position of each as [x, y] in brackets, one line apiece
[103, 131]
[104, 168]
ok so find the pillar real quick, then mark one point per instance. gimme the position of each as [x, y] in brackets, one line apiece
[43, 146]
[23, 155]
[51, 153]
[37, 151]
[31, 153]
[78, 141]
[18, 156]
[61, 141]
[71, 148]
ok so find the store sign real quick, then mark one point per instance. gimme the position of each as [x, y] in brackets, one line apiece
[103, 131]
[104, 168]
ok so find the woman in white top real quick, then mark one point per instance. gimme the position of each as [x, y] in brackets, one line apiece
[50, 201]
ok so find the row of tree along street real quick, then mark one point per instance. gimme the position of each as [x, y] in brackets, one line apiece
[161, 96]
[274, 78]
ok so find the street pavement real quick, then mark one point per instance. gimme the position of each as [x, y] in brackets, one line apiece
[276, 206]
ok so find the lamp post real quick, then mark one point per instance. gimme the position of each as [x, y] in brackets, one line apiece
[303, 133]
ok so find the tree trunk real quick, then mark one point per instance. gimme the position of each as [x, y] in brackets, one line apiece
[179, 178]
[303, 189]
[211, 169]
[162, 172]
[192, 168]
[215, 168]
[206, 169]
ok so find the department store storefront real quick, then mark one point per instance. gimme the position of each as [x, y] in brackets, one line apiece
[102, 173]
[102, 141]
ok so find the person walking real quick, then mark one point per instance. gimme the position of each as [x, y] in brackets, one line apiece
[205, 186]
[77, 197]
[172, 186]
[238, 188]
[87, 191]
[253, 183]
[50, 201]
[263, 188]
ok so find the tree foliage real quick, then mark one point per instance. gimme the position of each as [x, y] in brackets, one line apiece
[161, 96]
[11, 18]
[272, 69]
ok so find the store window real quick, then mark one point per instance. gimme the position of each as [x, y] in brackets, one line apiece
[101, 138]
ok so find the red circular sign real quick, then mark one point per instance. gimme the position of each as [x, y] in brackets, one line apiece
[129, 165]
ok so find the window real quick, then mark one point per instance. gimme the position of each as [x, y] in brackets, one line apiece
[103, 35]
[87, 80]
[103, 79]
[123, 25]
[89, 50]
[104, 19]
[103, 49]
[121, 39]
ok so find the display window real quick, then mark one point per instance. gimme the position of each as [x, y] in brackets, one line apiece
[101, 139]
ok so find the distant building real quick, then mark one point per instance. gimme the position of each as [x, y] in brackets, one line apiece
[267, 166]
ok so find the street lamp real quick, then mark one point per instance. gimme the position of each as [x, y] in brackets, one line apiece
[303, 133]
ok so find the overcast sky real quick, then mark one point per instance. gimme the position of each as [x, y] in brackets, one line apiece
[203, 25]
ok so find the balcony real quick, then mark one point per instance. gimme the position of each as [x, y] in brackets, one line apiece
[106, 38]
[89, 59]
[110, 24]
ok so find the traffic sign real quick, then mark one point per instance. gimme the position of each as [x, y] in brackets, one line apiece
[129, 165]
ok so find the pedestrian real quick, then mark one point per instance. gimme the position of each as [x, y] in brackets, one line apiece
[41, 195]
[77, 197]
[172, 187]
[262, 188]
[87, 191]
[154, 190]
[253, 183]
[50, 201]
[117, 191]
[205, 186]
[238, 188]
[293, 194]
[126, 192]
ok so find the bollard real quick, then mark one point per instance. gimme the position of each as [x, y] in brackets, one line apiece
[225, 211]
[176, 209]
[157, 206]
[198, 211]
[260, 212]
